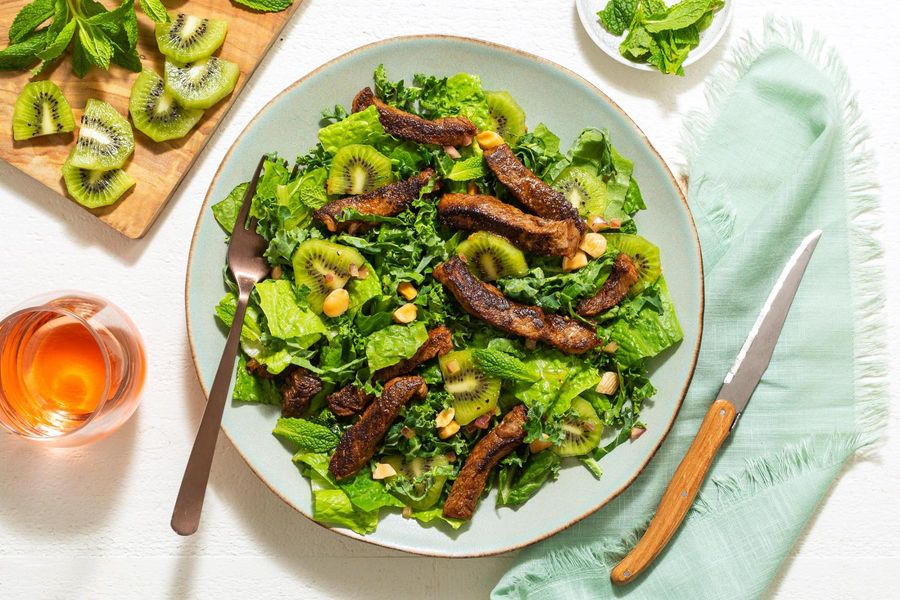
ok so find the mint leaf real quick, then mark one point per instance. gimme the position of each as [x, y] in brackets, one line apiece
[679, 16]
[306, 435]
[617, 15]
[29, 18]
[22, 54]
[55, 48]
[155, 10]
[81, 64]
[95, 44]
[265, 5]
[494, 363]
[467, 169]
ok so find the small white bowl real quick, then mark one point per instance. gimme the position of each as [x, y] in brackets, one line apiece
[587, 12]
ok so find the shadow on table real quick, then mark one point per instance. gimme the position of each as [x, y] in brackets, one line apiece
[49, 490]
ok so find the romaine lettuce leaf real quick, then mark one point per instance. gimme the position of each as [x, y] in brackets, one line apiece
[363, 127]
[248, 388]
[364, 493]
[226, 210]
[654, 328]
[285, 318]
[427, 516]
[395, 343]
[333, 506]
[306, 435]
[517, 486]
[460, 94]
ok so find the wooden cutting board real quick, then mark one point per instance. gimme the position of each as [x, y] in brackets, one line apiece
[158, 168]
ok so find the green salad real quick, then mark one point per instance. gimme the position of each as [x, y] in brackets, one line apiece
[579, 406]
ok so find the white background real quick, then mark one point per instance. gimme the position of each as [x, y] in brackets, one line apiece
[93, 522]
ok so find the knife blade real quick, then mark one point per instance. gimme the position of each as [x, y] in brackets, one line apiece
[721, 417]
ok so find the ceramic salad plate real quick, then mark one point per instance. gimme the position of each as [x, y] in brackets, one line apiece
[566, 104]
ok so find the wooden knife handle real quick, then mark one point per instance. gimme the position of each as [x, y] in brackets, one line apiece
[679, 496]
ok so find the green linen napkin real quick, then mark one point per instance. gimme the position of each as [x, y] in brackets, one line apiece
[784, 153]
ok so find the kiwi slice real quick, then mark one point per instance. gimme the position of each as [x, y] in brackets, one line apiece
[156, 112]
[324, 266]
[202, 83]
[491, 257]
[94, 189]
[41, 109]
[584, 190]
[582, 430]
[424, 488]
[187, 38]
[644, 254]
[474, 394]
[358, 169]
[105, 140]
[507, 115]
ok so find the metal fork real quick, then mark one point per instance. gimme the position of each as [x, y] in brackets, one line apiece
[246, 263]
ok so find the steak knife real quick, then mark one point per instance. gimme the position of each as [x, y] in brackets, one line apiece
[721, 418]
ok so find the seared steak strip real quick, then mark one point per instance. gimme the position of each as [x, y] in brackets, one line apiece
[298, 389]
[624, 275]
[447, 131]
[438, 343]
[348, 401]
[527, 232]
[359, 442]
[484, 301]
[387, 201]
[527, 188]
[491, 449]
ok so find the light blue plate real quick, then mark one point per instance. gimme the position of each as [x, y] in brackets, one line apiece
[548, 93]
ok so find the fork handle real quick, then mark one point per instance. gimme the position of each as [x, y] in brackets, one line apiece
[188, 506]
[679, 495]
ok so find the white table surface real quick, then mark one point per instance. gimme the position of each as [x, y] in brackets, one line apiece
[94, 522]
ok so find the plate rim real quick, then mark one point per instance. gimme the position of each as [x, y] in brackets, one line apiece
[695, 56]
[532, 57]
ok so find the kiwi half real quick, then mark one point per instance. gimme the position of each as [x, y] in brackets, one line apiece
[187, 38]
[474, 394]
[94, 189]
[156, 112]
[41, 109]
[202, 83]
[105, 140]
[491, 257]
[358, 169]
[644, 254]
[323, 267]
[584, 190]
[507, 116]
[582, 430]
[417, 477]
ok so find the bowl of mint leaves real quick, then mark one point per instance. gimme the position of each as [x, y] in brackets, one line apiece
[653, 35]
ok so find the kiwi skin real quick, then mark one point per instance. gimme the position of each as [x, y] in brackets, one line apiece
[41, 109]
[156, 113]
[358, 169]
[474, 394]
[491, 257]
[314, 261]
[583, 430]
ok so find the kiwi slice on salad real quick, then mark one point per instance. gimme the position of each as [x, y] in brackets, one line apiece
[93, 189]
[644, 254]
[584, 190]
[156, 112]
[358, 169]
[414, 483]
[105, 140]
[202, 83]
[187, 38]
[582, 430]
[474, 393]
[507, 116]
[491, 257]
[324, 266]
[41, 109]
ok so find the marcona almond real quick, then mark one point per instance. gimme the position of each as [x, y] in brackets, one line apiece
[611, 347]
[574, 262]
[636, 432]
[452, 367]
[383, 471]
[489, 140]
[609, 383]
[444, 417]
[594, 244]
[597, 223]
[405, 314]
[276, 272]
[448, 430]
[336, 303]
[407, 290]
